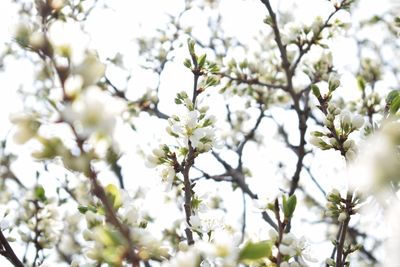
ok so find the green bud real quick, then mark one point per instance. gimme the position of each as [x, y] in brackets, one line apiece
[289, 206]
[333, 83]
[316, 91]
[187, 63]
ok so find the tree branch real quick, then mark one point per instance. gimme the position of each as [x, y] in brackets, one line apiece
[8, 252]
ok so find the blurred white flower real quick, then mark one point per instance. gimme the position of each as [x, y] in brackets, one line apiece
[292, 246]
[57, 4]
[73, 86]
[392, 244]
[357, 121]
[291, 31]
[4, 222]
[37, 40]
[26, 127]
[190, 258]
[377, 166]
[223, 250]
[63, 36]
[208, 221]
[90, 69]
[94, 111]
[262, 204]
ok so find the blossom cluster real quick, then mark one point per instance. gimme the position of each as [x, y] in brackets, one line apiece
[222, 251]
[40, 223]
[339, 123]
[105, 242]
[343, 124]
[194, 129]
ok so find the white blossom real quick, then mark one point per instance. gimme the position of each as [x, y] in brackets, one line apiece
[349, 144]
[223, 249]
[377, 165]
[190, 258]
[287, 250]
[291, 32]
[152, 161]
[73, 86]
[208, 221]
[90, 69]
[37, 40]
[293, 246]
[168, 174]
[26, 127]
[193, 127]
[94, 111]
[357, 121]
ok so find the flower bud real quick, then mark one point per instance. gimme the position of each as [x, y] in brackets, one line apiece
[333, 141]
[330, 262]
[342, 216]
[37, 40]
[345, 118]
[348, 144]
[357, 121]
[87, 235]
[315, 141]
[330, 206]
[351, 154]
[333, 82]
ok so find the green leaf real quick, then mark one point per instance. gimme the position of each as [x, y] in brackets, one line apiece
[212, 67]
[315, 90]
[202, 60]
[256, 251]
[187, 63]
[395, 105]
[114, 196]
[211, 81]
[178, 101]
[84, 209]
[40, 193]
[391, 96]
